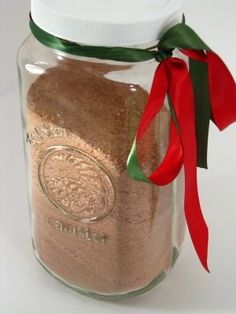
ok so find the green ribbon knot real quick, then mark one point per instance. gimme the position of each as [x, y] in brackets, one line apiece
[162, 54]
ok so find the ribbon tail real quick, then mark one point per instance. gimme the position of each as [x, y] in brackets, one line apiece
[199, 75]
[222, 91]
[196, 224]
[181, 93]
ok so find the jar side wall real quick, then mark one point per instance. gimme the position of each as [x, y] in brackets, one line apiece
[93, 225]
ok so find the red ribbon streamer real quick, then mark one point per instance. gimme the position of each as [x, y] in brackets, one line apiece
[172, 77]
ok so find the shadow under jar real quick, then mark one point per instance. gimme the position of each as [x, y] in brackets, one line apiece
[93, 227]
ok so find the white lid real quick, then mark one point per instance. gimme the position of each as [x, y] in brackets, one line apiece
[106, 22]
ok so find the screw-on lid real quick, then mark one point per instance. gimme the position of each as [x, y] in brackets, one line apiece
[106, 22]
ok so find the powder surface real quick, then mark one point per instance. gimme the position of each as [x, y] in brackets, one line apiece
[93, 226]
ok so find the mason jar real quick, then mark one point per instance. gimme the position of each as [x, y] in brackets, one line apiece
[93, 227]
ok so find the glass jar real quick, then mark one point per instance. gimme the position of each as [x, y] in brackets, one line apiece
[93, 227]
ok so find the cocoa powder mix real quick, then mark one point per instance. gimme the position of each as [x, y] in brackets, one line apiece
[93, 226]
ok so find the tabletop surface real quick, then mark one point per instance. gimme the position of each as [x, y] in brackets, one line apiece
[27, 288]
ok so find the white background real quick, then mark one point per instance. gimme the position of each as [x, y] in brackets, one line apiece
[25, 288]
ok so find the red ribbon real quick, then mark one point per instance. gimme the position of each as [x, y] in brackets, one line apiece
[172, 77]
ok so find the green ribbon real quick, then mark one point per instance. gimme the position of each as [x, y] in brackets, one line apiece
[199, 75]
[99, 52]
[179, 36]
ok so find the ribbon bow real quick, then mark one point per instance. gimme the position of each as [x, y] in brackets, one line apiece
[204, 91]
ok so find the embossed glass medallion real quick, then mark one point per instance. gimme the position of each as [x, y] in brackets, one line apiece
[76, 184]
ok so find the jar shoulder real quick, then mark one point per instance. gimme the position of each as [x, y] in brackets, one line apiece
[32, 52]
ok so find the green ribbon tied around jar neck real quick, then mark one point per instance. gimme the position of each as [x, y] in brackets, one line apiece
[201, 91]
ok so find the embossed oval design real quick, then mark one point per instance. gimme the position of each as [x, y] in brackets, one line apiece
[76, 184]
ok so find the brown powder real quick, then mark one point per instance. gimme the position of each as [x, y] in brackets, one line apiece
[93, 226]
